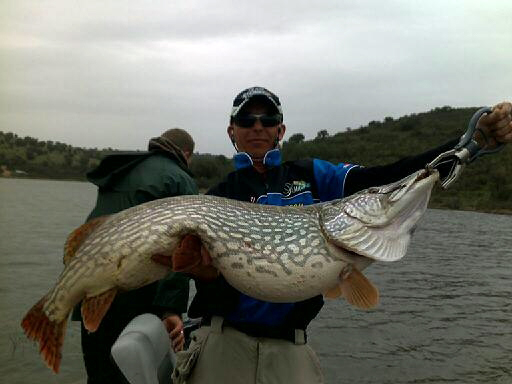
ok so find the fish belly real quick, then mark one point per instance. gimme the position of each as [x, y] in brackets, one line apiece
[139, 272]
[281, 279]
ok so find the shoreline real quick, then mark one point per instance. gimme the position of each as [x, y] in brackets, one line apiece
[500, 211]
[41, 178]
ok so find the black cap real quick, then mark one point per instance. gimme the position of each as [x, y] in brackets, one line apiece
[247, 94]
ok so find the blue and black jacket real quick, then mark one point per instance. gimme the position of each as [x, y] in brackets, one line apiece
[301, 182]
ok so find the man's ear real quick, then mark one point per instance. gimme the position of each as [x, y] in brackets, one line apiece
[281, 131]
[231, 134]
[187, 155]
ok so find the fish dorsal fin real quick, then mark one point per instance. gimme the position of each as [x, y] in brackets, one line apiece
[358, 290]
[78, 236]
[95, 307]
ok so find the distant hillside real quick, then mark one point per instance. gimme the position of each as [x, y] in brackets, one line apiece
[32, 158]
[485, 185]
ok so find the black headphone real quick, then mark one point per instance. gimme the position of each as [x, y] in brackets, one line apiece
[276, 143]
[232, 137]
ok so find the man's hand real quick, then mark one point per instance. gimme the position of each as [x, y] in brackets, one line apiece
[193, 258]
[496, 127]
[174, 327]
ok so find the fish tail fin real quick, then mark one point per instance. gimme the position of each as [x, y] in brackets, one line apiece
[49, 334]
[358, 290]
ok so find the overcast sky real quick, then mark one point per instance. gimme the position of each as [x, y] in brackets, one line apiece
[115, 73]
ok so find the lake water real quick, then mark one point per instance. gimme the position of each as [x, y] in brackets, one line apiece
[445, 314]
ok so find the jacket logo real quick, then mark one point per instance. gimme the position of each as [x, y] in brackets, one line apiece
[295, 187]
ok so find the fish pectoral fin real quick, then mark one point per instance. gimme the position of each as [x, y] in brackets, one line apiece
[358, 290]
[78, 236]
[95, 307]
[334, 292]
[192, 257]
[188, 254]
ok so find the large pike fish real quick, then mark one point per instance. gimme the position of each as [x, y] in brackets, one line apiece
[278, 254]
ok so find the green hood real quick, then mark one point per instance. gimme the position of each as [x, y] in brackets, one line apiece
[113, 167]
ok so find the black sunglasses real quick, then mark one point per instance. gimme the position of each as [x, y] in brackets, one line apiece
[248, 121]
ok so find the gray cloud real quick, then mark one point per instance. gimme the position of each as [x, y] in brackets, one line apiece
[107, 73]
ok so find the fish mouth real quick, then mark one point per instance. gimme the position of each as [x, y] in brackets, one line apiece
[431, 174]
[411, 186]
[412, 199]
[378, 206]
[409, 200]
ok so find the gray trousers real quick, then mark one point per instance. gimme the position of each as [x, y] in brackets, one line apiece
[220, 354]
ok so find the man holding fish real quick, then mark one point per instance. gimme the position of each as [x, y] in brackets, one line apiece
[245, 340]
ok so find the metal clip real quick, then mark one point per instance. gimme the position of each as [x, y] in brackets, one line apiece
[466, 151]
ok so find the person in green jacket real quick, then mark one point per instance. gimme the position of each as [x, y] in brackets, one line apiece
[125, 180]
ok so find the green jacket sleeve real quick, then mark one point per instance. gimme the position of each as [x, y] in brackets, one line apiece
[172, 294]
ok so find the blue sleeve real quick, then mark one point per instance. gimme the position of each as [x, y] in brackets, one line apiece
[330, 179]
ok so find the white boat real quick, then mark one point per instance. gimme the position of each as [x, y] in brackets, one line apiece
[143, 350]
